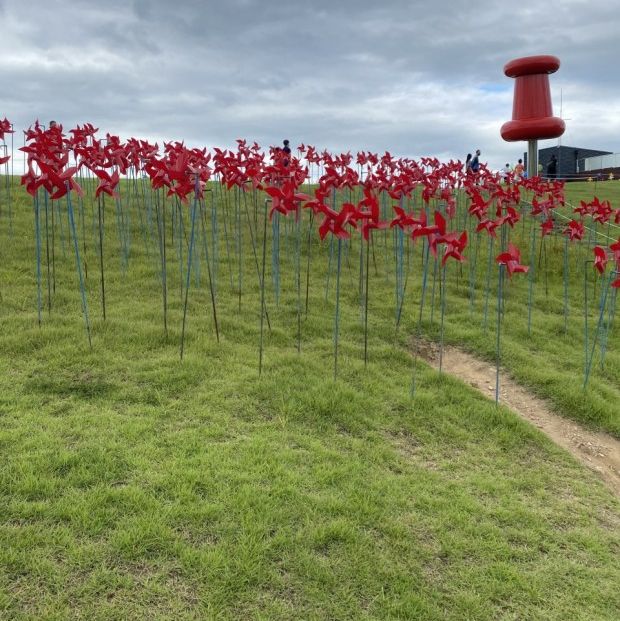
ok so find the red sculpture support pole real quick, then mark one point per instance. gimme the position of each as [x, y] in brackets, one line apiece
[532, 112]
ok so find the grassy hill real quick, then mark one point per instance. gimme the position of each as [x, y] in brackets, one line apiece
[135, 485]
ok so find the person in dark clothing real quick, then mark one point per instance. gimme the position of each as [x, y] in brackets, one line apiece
[474, 165]
[468, 163]
[552, 167]
[286, 150]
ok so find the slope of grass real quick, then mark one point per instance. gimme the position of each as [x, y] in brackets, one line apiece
[134, 485]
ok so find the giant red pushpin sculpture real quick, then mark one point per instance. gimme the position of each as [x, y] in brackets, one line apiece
[532, 113]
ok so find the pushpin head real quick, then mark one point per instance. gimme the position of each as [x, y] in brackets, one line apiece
[532, 112]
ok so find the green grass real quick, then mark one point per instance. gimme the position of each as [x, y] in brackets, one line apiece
[134, 485]
[550, 362]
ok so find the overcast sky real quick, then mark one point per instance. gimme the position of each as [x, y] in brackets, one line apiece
[415, 78]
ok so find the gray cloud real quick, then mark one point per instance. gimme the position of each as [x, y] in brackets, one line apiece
[412, 77]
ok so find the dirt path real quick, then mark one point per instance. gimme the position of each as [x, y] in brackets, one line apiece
[598, 451]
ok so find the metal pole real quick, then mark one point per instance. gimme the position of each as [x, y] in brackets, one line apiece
[532, 158]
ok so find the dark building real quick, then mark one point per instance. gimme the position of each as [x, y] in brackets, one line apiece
[568, 158]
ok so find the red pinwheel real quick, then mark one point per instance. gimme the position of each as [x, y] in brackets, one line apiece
[454, 247]
[479, 205]
[5, 128]
[430, 231]
[583, 209]
[512, 260]
[511, 217]
[107, 183]
[602, 212]
[600, 259]
[542, 207]
[371, 215]
[574, 230]
[487, 225]
[285, 199]
[335, 222]
[615, 249]
[405, 220]
[547, 226]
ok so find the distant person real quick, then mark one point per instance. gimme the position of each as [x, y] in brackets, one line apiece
[518, 171]
[468, 163]
[475, 162]
[506, 172]
[52, 124]
[540, 169]
[286, 150]
[552, 167]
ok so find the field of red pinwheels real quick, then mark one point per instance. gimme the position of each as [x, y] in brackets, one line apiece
[214, 400]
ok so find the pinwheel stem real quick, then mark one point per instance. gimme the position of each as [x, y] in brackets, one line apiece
[500, 294]
[366, 300]
[473, 275]
[83, 222]
[443, 312]
[586, 311]
[146, 217]
[544, 253]
[215, 245]
[79, 265]
[205, 244]
[386, 253]
[425, 252]
[196, 262]
[38, 254]
[225, 210]
[337, 314]
[8, 181]
[416, 345]
[161, 226]
[374, 255]
[599, 326]
[126, 222]
[100, 217]
[565, 278]
[298, 272]
[119, 232]
[402, 299]
[10, 185]
[361, 281]
[531, 275]
[53, 250]
[611, 309]
[488, 284]
[400, 280]
[190, 256]
[239, 246]
[180, 235]
[262, 291]
[329, 265]
[62, 230]
[254, 252]
[275, 255]
[435, 269]
[309, 257]
[47, 253]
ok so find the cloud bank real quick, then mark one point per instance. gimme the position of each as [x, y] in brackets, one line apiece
[415, 78]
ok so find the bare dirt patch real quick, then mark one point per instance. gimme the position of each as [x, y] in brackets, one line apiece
[596, 450]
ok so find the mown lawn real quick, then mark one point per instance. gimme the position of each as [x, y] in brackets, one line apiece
[134, 485]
